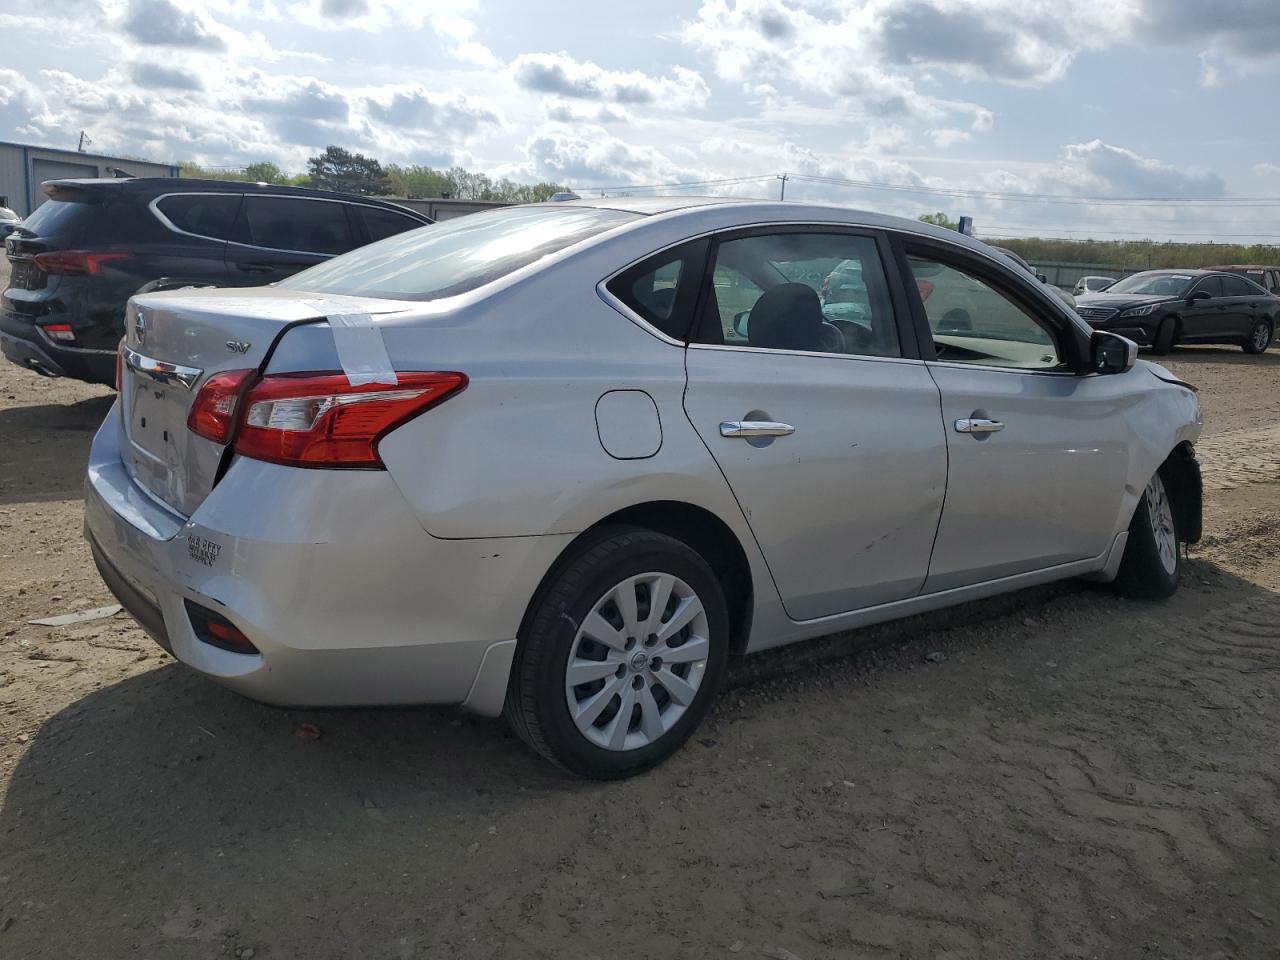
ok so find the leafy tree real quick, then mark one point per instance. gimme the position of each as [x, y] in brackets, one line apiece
[264, 172]
[939, 220]
[339, 169]
[1139, 254]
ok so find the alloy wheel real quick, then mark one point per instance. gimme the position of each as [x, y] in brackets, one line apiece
[1160, 513]
[1261, 337]
[637, 661]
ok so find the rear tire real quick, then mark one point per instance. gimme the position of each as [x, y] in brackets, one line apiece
[1163, 341]
[1259, 337]
[646, 683]
[1152, 562]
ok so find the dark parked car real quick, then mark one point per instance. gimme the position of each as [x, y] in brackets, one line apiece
[94, 243]
[1161, 308]
[1266, 277]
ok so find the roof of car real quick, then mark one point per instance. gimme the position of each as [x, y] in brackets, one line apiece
[160, 185]
[652, 205]
[1244, 266]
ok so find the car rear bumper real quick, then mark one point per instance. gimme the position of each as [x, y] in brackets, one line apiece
[347, 599]
[28, 349]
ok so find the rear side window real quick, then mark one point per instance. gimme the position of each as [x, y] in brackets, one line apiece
[653, 288]
[459, 255]
[1211, 286]
[204, 214]
[1238, 287]
[294, 223]
[386, 223]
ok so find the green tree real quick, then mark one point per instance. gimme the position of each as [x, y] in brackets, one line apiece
[264, 172]
[939, 220]
[339, 169]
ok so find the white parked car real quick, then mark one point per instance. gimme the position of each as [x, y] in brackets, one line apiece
[560, 461]
[1087, 285]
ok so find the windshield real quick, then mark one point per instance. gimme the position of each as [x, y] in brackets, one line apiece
[446, 259]
[1154, 284]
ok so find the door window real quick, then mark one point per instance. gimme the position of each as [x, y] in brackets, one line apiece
[816, 292]
[293, 223]
[1237, 287]
[974, 322]
[386, 223]
[1209, 285]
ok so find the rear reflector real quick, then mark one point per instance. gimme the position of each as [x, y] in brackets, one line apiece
[321, 420]
[75, 263]
[216, 630]
[213, 414]
[59, 332]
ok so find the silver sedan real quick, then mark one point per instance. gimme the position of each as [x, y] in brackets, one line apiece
[560, 461]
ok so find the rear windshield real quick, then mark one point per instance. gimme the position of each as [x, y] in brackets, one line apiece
[57, 220]
[446, 259]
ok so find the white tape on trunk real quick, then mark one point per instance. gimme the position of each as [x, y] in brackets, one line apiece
[361, 350]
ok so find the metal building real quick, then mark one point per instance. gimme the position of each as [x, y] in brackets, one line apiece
[24, 167]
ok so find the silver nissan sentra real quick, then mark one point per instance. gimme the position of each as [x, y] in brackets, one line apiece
[560, 461]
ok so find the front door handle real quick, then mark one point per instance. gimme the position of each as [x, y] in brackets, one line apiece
[755, 428]
[972, 425]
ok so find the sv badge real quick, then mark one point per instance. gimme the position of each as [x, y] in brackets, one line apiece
[238, 346]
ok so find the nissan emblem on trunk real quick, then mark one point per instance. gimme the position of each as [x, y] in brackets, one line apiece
[140, 328]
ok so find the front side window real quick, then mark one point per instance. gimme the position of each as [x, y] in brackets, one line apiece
[974, 322]
[293, 223]
[816, 292]
[447, 259]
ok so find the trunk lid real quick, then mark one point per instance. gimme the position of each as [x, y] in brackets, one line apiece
[175, 342]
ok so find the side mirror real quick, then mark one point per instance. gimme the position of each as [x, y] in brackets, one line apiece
[1200, 295]
[740, 323]
[1112, 353]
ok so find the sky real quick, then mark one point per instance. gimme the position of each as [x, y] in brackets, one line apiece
[1064, 118]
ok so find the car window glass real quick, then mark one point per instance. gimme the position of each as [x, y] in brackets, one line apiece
[205, 215]
[292, 223]
[1237, 287]
[973, 322]
[386, 223]
[1211, 286]
[652, 289]
[818, 292]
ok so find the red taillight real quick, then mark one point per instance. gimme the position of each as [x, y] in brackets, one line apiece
[216, 630]
[321, 420]
[75, 263]
[213, 414]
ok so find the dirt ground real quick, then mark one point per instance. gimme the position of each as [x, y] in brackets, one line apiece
[1078, 777]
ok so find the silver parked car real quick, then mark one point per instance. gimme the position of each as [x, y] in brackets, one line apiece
[560, 461]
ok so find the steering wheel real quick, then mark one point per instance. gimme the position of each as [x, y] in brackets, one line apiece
[845, 336]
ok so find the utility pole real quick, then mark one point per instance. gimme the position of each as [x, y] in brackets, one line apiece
[84, 142]
[783, 194]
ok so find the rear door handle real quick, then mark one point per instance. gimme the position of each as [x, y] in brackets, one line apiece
[255, 267]
[755, 428]
[971, 425]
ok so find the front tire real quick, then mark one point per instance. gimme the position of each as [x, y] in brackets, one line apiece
[1152, 563]
[621, 655]
[1259, 337]
[1163, 341]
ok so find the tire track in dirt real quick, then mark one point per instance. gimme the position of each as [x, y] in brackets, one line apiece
[1239, 457]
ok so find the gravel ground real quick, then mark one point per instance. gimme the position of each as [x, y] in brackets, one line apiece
[1055, 774]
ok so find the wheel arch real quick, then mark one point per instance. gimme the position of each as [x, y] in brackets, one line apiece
[696, 527]
[1181, 474]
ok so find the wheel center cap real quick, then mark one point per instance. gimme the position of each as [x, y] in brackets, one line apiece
[639, 661]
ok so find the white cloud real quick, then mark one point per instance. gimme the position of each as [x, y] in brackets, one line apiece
[950, 136]
[561, 75]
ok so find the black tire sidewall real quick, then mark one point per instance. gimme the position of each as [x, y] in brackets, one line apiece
[1248, 344]
[1166, 332]
[1142, 573]
[553, 629]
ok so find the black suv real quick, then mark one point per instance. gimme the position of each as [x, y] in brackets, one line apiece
[94, 243]
[1162, 308]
